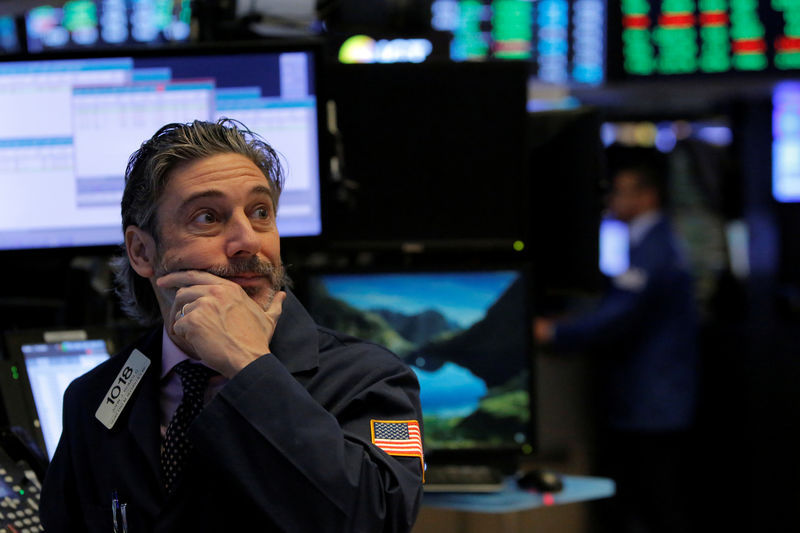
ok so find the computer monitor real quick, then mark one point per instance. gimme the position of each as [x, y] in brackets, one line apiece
[417, 139]
[786, 142]
[72, 121]
[614, 247]
[466, 335]
[40, 366]
[9, 38]
[107, 23]
[649, 39]
[563, 41]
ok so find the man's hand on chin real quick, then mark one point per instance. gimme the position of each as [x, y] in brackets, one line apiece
[214, 319]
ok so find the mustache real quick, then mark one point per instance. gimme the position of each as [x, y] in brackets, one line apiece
[249, 265]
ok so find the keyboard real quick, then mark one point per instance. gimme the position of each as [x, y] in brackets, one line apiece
[463, 478]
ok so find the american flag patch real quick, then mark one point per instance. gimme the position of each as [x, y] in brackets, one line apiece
[398, 437]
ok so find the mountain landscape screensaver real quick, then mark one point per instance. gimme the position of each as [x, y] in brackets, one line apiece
[465, 335]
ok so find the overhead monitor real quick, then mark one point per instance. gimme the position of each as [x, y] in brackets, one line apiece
[440, 133]
[466, 335]
[786, 142]
[107, 23]
[9, 38]
[70, 125]
[563, 40]
[685, 37]
[42, 365]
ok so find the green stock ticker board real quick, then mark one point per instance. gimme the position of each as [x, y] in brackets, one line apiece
[680, 37]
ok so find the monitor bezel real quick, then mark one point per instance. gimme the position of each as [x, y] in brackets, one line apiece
[312, 45]
[504, 458]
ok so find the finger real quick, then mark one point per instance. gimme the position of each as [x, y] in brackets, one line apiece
[193, 292]
[180, 313]
[183, 298]
[186, 278]
[182, 317]
[275, 308]
[180, 324]
[186, 300]
[188, 285]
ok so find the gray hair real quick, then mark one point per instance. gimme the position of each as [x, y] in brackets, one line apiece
[146, 176]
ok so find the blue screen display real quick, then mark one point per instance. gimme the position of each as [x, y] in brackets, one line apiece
[465, 335]
[786, 142]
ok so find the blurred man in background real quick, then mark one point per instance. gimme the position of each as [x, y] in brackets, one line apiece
[645, 329]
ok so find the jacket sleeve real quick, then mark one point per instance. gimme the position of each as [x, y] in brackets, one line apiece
[312, 468]
[616, 316]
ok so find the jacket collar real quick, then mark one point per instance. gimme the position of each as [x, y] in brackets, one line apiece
[143, 421]
[641, 226]
[295, 342]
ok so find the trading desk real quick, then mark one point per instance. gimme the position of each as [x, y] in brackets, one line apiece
[512, 498]
[511, 510]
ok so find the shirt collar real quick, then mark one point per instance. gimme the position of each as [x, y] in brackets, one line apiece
[171, 355]
[640, 225]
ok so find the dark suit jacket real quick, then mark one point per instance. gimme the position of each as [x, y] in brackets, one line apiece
[646, 326]
[284, 446]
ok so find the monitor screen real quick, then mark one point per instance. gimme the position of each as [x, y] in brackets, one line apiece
[464, 333]
[51, 367]
[786, 142]
[72, 123]
[438, 131]
[38, 367]
[614, 247]
[9, 39]
[564, 40]
[104, 23]
[649, 38]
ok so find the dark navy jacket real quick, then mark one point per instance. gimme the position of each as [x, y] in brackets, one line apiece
[646, 327]
[284, 446]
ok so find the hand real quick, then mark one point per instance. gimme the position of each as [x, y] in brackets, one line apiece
[543, 330]
[216, 321]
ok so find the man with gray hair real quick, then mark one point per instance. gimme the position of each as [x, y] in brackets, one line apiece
[235, 411]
